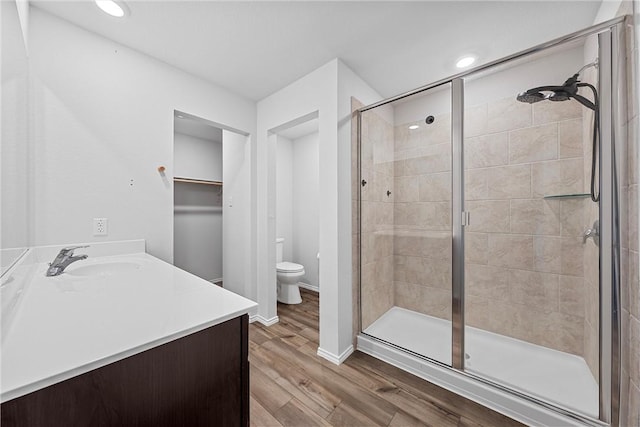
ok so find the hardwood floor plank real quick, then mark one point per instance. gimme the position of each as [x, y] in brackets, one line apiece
[260, 417]
[434, 394]
[400, 419]
[295, 414]
[378, 409]
[466, 422]
[292, 386]
[266, 392]
[347, 416]
[296, 382]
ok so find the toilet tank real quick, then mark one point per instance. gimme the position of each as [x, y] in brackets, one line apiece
[279, 248]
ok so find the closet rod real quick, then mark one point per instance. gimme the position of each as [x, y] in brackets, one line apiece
[196, 181]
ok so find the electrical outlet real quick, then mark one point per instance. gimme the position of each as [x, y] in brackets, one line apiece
[100, 226]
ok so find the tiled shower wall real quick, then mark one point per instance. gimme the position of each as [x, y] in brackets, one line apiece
[524, 262]
[377, 216]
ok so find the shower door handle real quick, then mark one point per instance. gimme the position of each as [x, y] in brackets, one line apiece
[466, 219]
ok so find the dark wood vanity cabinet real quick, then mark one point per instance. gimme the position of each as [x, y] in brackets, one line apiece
[201, 379]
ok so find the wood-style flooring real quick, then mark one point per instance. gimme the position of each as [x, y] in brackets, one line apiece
[292, 386]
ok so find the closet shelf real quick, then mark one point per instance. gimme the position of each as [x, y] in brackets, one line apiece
[196, 181]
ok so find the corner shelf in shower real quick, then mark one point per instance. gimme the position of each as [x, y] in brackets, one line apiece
[568, 196]
[196, 181]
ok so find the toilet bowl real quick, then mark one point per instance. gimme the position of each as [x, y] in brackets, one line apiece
[288, 275]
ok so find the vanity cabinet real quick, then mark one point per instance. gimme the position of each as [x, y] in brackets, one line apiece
[201, 379]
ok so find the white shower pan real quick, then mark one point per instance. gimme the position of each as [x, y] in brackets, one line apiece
[559, 378]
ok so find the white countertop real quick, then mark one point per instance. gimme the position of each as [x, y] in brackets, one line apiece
[101, 310]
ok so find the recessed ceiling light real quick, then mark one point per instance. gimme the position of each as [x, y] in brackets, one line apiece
[465, 61]
[414, 127]
[113, 7]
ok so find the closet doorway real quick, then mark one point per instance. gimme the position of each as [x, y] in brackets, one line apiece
[211, 188]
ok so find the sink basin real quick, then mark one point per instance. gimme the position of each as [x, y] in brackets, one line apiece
[103, 269]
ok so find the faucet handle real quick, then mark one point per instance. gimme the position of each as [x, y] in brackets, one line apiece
[70, 249]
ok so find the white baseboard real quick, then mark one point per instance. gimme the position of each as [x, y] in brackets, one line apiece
[337, 360]
[309, 287]
[265, 322]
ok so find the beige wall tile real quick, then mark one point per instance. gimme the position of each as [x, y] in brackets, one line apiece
[572, 217]
[476, 248]
[547, 112]
[560, 331]
[488, 216]
[428, 244]
[634, 288]
[634, 349]
[509, 182]
[508, 114]
[423, 299]
[475, 120]
[423, 271]
[434, 215]
[570, 138]
[634, 404]
[486, 150]
[434, 187]
[511, 251]
[436, 158]
[557, 177]
[533, 144]
[571, 295]
[407, 139]
[633, 217]
[535, 216]
[591, 349]
[559, 255]
[487, 281]
[572, 256]
[476, 185]
[633, 167]
[406, 213]
[539, 290]
[405, 189]
[477, 312]
[548, 253]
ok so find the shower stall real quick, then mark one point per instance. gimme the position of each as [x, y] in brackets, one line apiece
[489, 232]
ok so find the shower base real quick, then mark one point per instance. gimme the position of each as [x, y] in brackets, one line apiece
[549, 375]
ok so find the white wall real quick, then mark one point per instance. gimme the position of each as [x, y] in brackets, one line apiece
[284, 195]
[236, 213]
[305, 208]
[103, 123]
[197, 157]
[313, 93]
[15, 156]
[328, 91]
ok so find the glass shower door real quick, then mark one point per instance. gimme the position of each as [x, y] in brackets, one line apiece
[531, 278]
[405, 230]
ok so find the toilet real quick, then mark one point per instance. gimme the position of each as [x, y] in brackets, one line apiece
[288, 275]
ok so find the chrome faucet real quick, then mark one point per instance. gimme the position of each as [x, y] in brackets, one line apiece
[63, 259]
[593, 232]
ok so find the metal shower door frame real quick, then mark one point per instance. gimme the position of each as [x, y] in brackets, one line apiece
[610, 35]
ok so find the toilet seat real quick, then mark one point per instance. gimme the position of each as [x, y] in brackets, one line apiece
[289, 267]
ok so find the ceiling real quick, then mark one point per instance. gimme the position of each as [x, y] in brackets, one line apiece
[256, 48]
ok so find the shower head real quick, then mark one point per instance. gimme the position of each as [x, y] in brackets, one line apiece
[568, 90]
[531, 96]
